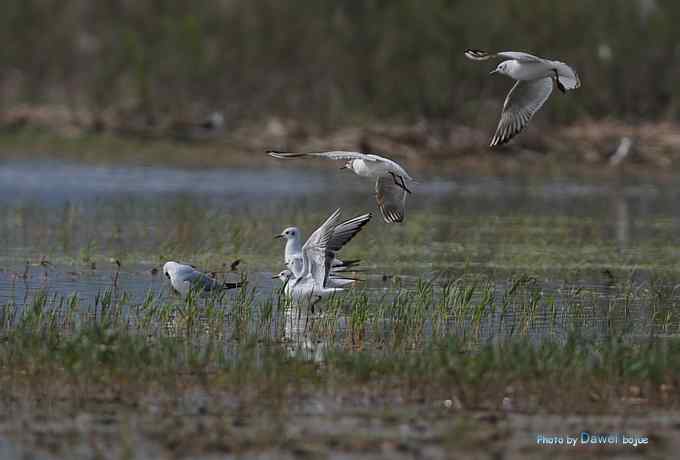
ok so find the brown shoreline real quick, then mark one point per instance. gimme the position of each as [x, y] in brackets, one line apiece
[589, 147]
[186, 420]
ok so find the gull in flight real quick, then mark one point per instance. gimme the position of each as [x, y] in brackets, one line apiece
[185, 278]
[535, 77]
[390, 186]
[308, 278]
[342, 234]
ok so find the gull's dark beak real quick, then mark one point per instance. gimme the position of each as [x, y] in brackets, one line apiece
[275, 277]
[278, 236]
[343, 167]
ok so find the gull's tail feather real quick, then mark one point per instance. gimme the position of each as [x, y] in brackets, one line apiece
[571, 81]
[226, 285]
[342, 271]
[284, 155]
[344, 278]
[347, 263]
[345, 266]
[567, 75]
[478, 55]
[342, 282]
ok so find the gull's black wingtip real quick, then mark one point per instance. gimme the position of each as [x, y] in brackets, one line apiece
[477, 55]
[348, 263]
[285, 155]
[393, 217]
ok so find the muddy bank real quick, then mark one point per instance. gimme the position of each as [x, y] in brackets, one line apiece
[447, 146]
[189, 420]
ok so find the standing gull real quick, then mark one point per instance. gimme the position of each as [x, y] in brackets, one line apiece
[184, 278]
[535, 77]
[342, 234]
[390, 186]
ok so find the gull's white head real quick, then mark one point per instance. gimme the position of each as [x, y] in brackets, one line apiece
[169, 269]
[503, 68]
[291, 233]
[285, 276]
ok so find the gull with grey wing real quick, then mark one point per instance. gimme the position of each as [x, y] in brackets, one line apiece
[535, 77]
[342, 234]
[390, 178]
[308, 278]
[185, 278]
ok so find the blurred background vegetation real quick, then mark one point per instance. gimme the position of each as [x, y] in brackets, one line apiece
[333, 61]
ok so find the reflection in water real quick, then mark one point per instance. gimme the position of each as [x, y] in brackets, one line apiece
[621, 208]
[300, 342]
[622, 221]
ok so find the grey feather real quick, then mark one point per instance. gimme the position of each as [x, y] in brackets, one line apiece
[333, 155]
[521, 103]
[345, 231]
[391, 200]
[479, 55]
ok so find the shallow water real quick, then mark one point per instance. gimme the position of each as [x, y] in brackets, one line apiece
[604, 239]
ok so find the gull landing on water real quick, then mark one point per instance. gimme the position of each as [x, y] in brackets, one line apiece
[390, 186]
[184, 278]
[535, 77]
[309, 274]
[342, 233]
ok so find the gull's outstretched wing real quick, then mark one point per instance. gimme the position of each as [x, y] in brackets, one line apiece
[390, 165]
[324, 233]
[391, 199]
[522, 102]
[315, 248]
[345, 231]
[333, 155]
[479, 55]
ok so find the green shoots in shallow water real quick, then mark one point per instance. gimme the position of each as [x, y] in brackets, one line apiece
[442, 335]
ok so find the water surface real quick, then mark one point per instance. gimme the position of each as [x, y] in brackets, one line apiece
[64, 226]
